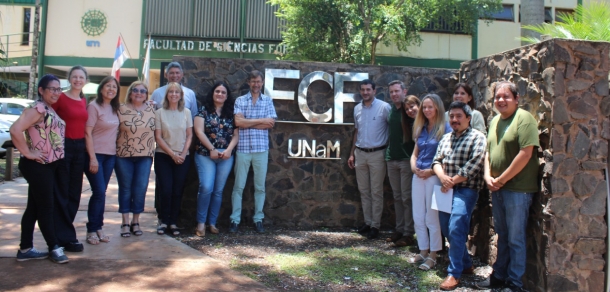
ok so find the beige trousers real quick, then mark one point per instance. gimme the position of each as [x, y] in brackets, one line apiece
[370, 173]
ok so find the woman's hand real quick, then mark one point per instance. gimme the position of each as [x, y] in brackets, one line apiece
[225, 154]
[177, 157]
[37, 156]
[93, 165]
[214, 154]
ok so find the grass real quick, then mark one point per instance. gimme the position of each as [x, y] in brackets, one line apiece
[354, 265]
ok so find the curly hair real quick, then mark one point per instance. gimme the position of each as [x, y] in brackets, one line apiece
[227, 108]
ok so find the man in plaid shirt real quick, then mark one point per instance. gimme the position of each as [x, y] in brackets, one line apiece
[254, 116]
[458, 163]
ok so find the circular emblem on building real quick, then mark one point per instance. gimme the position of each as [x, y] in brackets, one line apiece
[93, 22]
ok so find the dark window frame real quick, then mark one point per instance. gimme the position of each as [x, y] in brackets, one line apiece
[27, 18]
[507, 13]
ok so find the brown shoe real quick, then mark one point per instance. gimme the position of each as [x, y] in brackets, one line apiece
[213, 229]
[468, 271]
[200, 232]
[394, 237]
[405, 241]
[450, 283]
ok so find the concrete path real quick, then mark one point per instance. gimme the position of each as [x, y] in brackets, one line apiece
[144, 263]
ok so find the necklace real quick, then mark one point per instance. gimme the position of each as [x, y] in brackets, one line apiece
[138, 111]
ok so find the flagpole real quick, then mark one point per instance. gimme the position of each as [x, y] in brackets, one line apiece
[130, 57]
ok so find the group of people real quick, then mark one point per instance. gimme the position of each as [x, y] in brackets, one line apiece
[421, 147]
[63, 136]
[431, 155]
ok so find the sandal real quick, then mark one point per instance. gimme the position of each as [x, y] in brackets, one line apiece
[103, 237]
[125, 234]
[425, 266]
[175, 230]
[92, 238]
[161, 229]
[418, 259]
[136, 232]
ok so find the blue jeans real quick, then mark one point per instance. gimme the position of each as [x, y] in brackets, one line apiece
[510, 211]
[132, 175]
[455, 227]
[213, 175]
[99, 183]
[170, 181]
[243, 161]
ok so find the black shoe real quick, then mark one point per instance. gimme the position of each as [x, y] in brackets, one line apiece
[259, 227]
[364, 229]
[74, 247]
[373, 233]
[233, 228]
[490, 283]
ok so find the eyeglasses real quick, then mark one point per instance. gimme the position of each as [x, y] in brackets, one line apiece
[142, 91]
[54, 89]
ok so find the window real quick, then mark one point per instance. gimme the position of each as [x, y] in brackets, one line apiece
[548, 15]
[506, 14]
[25, 37]
[559, 12]
[14, 109]
[441, 26]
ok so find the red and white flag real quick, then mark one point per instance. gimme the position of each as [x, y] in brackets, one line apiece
[120, 56]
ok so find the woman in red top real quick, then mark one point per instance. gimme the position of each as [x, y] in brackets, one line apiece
[72, 108]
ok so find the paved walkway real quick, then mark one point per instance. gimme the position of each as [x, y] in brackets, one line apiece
[146, 263]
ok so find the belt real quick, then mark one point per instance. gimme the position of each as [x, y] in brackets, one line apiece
[371, 149]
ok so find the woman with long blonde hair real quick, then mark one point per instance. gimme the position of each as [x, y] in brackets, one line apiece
[428, 128]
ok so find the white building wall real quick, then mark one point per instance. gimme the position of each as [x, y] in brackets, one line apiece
[11, 26]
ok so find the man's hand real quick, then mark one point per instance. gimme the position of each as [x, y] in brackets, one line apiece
[446, 181]
[493, 184]
[350, 162]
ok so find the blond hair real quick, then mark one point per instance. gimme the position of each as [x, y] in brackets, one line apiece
[439, 121]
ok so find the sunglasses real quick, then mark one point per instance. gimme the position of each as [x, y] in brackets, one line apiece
[142, 91]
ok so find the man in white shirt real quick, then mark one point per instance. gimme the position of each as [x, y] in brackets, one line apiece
[173, 73]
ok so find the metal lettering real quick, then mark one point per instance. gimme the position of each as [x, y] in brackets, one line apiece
[292, 154]
[336, 148]
[321, 153]
[271, 74]
[302, 93]
[311, 149]
[340, 96]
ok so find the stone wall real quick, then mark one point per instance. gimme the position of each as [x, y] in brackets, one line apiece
[301, 192]
[564, 84]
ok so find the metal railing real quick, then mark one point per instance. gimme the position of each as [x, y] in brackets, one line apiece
[14, 43]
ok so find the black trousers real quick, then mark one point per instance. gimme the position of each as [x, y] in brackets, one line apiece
[68, 189]
[41, 180]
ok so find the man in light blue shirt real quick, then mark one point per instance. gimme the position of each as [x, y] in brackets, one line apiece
[173, 73]
[254, 116]
[368, 155]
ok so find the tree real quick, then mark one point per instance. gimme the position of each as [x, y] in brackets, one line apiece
[349, 31]
[591, 22]
[532, 13]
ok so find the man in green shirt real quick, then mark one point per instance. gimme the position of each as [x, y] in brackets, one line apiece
[511, 173]
[397, 158]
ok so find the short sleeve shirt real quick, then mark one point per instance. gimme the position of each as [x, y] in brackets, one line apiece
[190, 100]
[173, 125]
[219, 130]
[74, 114]
[48, 135]
[505, 139]
[254, 140]
[136, 132]
[372, 124]
[105, 123]
[426, 145]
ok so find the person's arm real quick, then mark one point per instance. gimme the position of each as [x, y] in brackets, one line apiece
[161, 142]
[199, 128]
[437, 165]
[93, 164]
[492, 185]
[413, 159]
[351, 160]
[28, 118]
[264, 123]
[187, 144]
[473, 165]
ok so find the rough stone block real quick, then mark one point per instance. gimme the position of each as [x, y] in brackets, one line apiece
[583, 184]
[596, 281]
[581, 145]
[586, 50]
[579, 109]
[569, 167]
[601, 87]
[559, 185]
[590, 246]
[557, 282]
[595, 205]
[599, 149]
[562, 206]
[589, 263]
[593, 165]
[578, 85]
[566, 230]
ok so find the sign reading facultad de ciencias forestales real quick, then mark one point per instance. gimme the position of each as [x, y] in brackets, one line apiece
[214, 46]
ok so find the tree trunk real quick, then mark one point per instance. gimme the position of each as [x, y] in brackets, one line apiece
[532, 13]
[34, 63]
[373, 49]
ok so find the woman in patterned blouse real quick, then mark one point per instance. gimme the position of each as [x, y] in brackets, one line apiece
[217, 138]
[135, 147]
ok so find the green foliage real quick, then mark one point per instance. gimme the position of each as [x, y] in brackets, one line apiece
[590, 22]
[349, 31]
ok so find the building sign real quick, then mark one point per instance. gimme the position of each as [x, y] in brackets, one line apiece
[93, 22]
[214, 46]
[305, 150]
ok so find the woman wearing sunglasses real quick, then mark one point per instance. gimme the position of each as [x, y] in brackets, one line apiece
[135, 148]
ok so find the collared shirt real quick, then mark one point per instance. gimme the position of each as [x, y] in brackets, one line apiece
[372, 124]
[463, 156]
[254, 140]
[190, 101]
[427, 145]
[398, 149]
